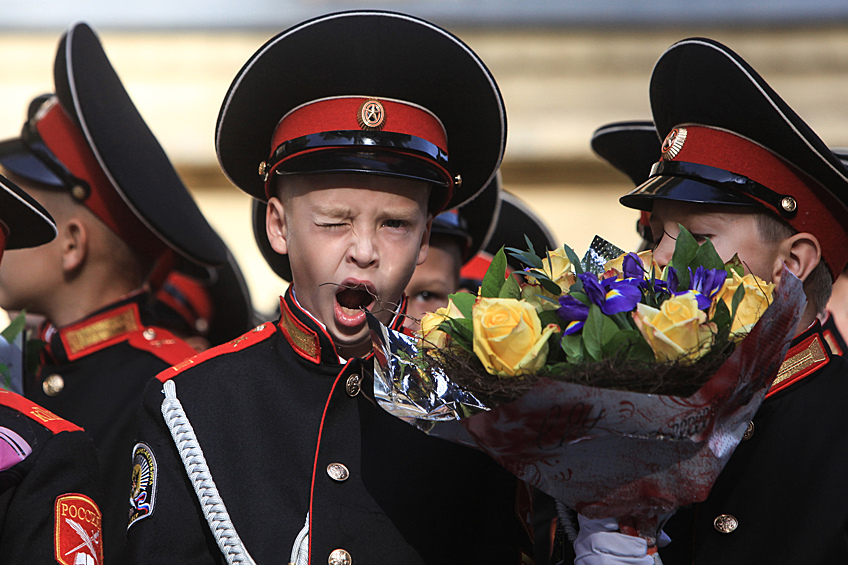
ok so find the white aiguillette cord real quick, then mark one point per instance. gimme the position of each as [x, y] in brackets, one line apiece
[198, 472]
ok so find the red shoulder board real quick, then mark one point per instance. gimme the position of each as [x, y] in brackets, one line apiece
[254, 336]
[161, 343]
[35, 412]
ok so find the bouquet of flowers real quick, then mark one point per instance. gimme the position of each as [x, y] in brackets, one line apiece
[617, 388]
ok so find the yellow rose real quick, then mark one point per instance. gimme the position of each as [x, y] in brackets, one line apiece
[559, 269]
[677, 331]
[508, 336]
[647, 258]
[430, 335]
[758, 296]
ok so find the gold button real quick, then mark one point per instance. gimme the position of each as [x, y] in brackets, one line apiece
[259, 328]
[79, 192]
[338, 472]
[353, 385]
[725, 523]
[339, 557]
[53, 385]
[749, 431]
[789, 204]
[149, 334]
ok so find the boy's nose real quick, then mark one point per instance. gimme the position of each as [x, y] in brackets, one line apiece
[363, 251]
[664, 251]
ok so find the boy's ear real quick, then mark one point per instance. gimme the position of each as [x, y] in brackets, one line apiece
[74, 244]
[275, 226]
[425, 240]
[800, 253]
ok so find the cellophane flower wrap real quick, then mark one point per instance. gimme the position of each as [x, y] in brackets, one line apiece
[616, 388]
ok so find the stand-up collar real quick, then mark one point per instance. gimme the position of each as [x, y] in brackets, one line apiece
[309, 337]
[103, 328]
[808, 353]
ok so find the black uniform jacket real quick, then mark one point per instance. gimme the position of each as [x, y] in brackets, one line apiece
[40, 496]
[287, 428]
[92, 374]
[783, 496]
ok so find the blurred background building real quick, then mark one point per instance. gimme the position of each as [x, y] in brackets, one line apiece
[565, 67]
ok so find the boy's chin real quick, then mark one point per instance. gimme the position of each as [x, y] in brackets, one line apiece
[358, 345]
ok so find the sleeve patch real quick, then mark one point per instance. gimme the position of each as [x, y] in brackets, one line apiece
[144, 486]
[77, 534]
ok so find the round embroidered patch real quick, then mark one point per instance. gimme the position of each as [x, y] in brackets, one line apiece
[144, 472]
[78, 530]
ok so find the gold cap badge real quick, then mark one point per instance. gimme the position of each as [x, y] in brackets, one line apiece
[673, 143]
[371, 115]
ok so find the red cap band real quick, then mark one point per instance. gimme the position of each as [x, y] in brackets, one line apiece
[64, 139]
[358, 113]
[817, 211]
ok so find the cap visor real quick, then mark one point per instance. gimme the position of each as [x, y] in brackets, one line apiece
[682, 189]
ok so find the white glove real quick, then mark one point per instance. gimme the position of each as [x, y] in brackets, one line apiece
[600, 543]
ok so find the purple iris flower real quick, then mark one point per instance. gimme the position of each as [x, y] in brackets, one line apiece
[705, 283]
[613, 296]
[573, 312]
[631, 267]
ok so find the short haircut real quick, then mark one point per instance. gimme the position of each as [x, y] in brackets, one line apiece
[819, 284]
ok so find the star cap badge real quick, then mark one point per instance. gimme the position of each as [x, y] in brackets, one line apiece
[371, 115]
[673, 143]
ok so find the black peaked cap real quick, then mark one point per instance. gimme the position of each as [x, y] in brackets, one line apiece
[91, 92]
[632, 147]
[703, 82]
[477, 217]
[29, 224]
[367, 53]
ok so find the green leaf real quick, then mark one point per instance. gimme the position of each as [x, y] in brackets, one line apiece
[527, 258]
[685, 249]
[575, 260]
[572, 346]
[461, 331]
[721, 314]
[510, 289]
[15, 327]
[593, 332]
[737, 298]
[628, 345]
[464, 302]
[547, 317]
[495, 276]
[547, 298]
[722, 319]
[529, 243]
[735, 266]
[545, 281]
[707, 256]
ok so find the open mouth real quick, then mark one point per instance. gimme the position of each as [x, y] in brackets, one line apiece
[354, 298]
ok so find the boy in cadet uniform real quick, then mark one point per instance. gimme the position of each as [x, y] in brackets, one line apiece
[271, 448]
[86, 154]
[739, 167]
[49, 482]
